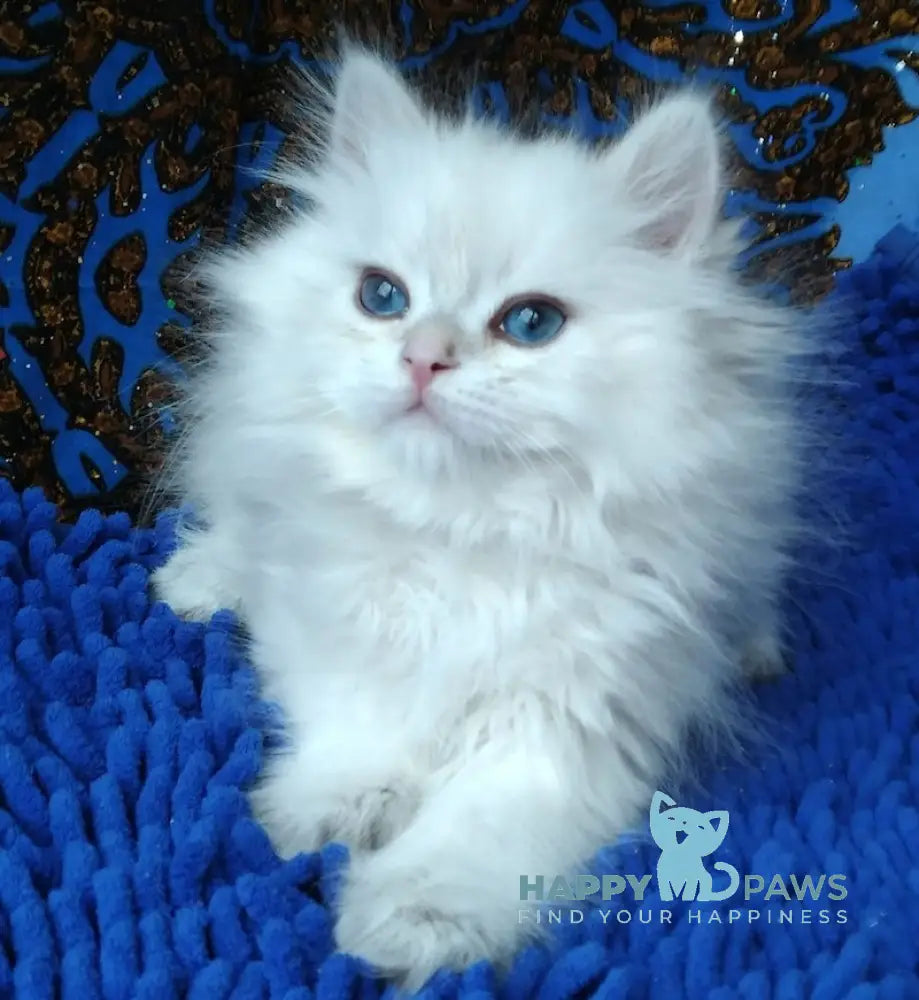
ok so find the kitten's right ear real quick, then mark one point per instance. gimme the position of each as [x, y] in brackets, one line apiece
[371, 99]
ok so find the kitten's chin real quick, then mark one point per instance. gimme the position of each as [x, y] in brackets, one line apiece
[437, 418]
[418, 440]
[419, 415]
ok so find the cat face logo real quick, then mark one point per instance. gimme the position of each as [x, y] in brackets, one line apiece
[686, 836]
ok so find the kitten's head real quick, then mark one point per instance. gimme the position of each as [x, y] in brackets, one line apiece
[702, 833]
[458, 298]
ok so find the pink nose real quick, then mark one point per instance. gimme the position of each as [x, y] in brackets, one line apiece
[423, 371]
[429, 350]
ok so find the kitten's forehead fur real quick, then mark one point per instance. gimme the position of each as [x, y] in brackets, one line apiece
[476, 201]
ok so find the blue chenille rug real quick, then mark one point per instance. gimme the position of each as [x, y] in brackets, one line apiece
[130, 866]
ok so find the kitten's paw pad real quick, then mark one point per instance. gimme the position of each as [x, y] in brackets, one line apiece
[407, 932]
[191, 587]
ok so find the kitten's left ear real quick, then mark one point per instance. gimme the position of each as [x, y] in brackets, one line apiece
[670, 164]
[371, 100]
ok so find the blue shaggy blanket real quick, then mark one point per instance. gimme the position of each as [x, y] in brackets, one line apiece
[130, 865]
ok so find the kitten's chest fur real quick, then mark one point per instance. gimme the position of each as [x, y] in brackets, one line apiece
[462, 601]
[430, 604]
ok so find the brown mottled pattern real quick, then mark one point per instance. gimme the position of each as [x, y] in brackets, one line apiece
[210, 87]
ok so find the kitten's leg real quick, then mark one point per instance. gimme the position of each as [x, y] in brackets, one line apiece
[349, 771]
[203, 575]
[447, 891]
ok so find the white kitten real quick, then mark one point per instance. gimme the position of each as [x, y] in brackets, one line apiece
[494, 456]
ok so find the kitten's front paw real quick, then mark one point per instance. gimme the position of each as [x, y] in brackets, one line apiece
[300, 816]
[407, 926]
[192, 586]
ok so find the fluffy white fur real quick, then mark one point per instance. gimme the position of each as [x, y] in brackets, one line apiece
[488, 626]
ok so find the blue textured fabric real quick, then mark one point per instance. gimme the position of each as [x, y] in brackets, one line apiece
[130, 867]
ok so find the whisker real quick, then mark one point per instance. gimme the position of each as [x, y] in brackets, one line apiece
[524, 448]
[551, 458]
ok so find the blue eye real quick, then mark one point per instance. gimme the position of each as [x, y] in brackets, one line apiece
[532, 322]
[382, 296]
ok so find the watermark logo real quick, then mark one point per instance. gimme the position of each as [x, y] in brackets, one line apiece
[686, 836]
[687, 839]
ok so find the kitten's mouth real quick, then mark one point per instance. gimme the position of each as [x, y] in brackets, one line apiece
[415, 414]
[681, 835]
[420, 407]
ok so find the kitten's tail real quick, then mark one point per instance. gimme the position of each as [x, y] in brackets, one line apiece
[733, 885]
